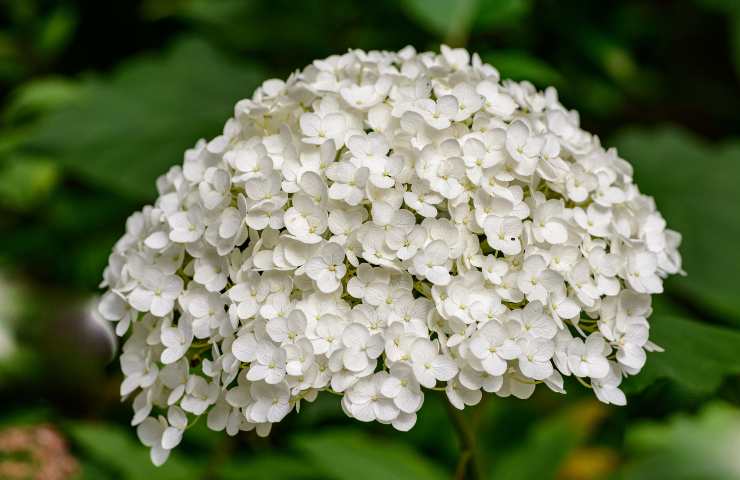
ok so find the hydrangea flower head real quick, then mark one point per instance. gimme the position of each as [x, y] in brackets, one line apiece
[378, 225]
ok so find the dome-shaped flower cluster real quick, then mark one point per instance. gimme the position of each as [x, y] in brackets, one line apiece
[380, 224]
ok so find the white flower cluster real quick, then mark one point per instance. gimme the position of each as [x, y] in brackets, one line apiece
[379, 224]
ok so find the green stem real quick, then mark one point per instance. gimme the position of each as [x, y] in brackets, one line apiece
[469, 464]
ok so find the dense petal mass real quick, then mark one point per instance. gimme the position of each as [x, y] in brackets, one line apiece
[377, 224]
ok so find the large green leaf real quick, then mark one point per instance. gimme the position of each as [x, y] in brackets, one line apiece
[115, 449]
[352, 455]
[702, 447]
[266, 467]
[518, 65]
[129, 127]
[697, 355]
[696, 188]
[452, 20]
[548, 444]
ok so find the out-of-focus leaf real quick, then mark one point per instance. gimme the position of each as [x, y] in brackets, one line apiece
[493, 14]
[725, 6]
[41, 96]
[115, 449]
[696, 189]
[56, 31]
[267, 467]
[352, 455]
[697, 355]
[128, 129]
[450, 19]
[735, 38]
[549, 443]
[26, 180]
[703, 447]
[518, 65]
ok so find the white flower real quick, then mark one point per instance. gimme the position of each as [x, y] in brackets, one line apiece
[460, 396]
[349, 182]
[588, 359]
[433, 263]
[327, 269]
[523, 147]
[366, 402]
[156, 293]
[187, 227]
[176, 341]
[429, 365]
[438, 114]
[377, 224]
[272, 403]
[495, 100]
[534, 359]
[305, 220]
[503, 234]
[536, 281]
[317, 129]
[547, 224]
[494, 344]
[199, 395]
[403, 388]
[150, 432]
[269, 365]
[359, 347]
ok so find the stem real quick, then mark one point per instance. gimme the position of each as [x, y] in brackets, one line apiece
[469, 464]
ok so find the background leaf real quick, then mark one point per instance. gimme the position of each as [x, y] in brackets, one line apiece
[353, 455]
[151, 108]
[451, 19]
[548, 444]
[696, 189]
[697, 355]
[687, 448]
[112, 447]
[522, 66]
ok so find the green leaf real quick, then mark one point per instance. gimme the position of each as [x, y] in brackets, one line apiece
[686, 447]
[697, 355]
[548, 444]
[116, 449]
[495, 14]
[41, 96]
[25, 181]
[696, 189]
[518, 65]
[352, 455]
[450, 19]
[735, 38]
[266, 467]
[127, 129]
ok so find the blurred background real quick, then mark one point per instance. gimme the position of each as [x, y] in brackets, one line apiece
[99, 98]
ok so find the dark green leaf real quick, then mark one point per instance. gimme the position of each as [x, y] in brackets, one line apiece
[352, 455]
[116, 449]
[686, 447]
[25, 181]
[495, 14]
[548, 444]
[696, 189]
[450, 19]
[697, 355]
[40, 96]
[128, 129]
[267, 467]
[518, 65]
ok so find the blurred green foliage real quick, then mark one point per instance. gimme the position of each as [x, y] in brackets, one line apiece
[99, 98]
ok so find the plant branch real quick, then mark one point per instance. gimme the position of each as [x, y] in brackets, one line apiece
[470, 463]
